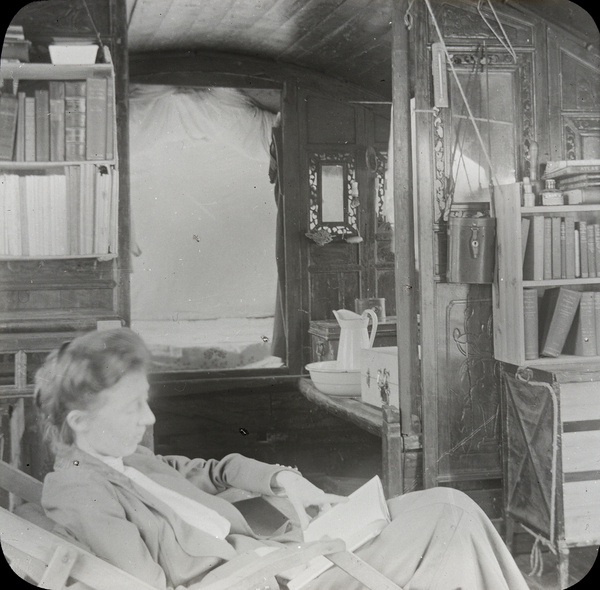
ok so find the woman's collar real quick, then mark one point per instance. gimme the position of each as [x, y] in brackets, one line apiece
[72, 455]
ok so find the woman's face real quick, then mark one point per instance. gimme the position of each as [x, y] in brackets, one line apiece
[116, 423]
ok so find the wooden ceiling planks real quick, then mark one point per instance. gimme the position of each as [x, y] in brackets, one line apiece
[331, 36]
[285, 21]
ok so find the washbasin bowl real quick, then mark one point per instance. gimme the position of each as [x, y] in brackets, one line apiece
[329, 378]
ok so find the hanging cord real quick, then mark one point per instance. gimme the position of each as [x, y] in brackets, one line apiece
[471, 117]
[93, 24]
[408, 17]
[535, 558]
[131, 13]
[506, 44]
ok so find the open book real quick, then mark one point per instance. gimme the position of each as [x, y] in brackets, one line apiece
[356, 521]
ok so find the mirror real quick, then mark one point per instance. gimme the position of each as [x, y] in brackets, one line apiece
[332, 193]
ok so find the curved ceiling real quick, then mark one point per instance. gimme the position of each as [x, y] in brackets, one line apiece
[348, 39]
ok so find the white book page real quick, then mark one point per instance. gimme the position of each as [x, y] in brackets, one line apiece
[356, 521]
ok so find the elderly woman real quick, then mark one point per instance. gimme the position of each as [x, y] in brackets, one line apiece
[167, 520]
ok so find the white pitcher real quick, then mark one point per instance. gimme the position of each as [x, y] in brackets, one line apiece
[354, 335]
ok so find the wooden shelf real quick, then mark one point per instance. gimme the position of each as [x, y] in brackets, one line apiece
[562, 282]
[37, 71]
[563, 361]
[509, 326]
[101, 257]
[12, 165]
[542, 209]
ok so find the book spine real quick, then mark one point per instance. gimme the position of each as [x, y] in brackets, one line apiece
[110, 119]
[570, 247]
[597, 319]
[591, 250]
[556, 248]
[73, 190]
[24, 218]
[563, 249]
[577, 256]
[587, 317]
[596, 228]
[583, 195]
[530, 317]
[560, 312]
[42, 126]
[95, 131]
[9, 106]
[75, 115]
[547, 248]
[30, 129]
[12, 216]
[525, 225]
[583, 249]
[57, 120]
[20, 132]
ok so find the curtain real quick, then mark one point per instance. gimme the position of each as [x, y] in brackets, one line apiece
[168, 113]
[279, 344]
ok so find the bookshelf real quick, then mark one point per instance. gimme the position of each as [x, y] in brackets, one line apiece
[59, 173]
[519, 275]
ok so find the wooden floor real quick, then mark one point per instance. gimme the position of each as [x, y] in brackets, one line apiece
[581, 561]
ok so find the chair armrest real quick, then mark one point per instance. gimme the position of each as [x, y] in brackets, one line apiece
[247, 571]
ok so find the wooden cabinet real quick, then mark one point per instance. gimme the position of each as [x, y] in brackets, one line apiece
[509, 322]
[68, 269]
[551, 436]
[325, 338]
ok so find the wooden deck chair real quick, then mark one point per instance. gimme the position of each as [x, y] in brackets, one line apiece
[48, 560]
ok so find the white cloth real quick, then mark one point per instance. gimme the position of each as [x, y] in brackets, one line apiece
[195, 514]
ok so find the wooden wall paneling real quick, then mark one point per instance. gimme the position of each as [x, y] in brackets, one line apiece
[122, 266]
[366, 190]
[295, 196]
[574, 97]
[427, 145]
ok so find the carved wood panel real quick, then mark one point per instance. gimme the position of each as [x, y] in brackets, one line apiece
[469, 405]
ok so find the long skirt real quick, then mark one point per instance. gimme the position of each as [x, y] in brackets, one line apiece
[439, 539]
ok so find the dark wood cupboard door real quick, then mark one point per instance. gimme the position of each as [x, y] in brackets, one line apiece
[344, 189]
[337, 207]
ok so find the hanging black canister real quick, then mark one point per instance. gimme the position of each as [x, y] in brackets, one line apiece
[471, 243]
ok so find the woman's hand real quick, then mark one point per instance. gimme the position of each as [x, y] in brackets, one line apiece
[301, 493]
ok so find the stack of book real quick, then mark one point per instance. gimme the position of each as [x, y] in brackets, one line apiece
[562, 321]
[579, 180]
[559, 247]
[66, 214]
[58, 121]
[15, 47]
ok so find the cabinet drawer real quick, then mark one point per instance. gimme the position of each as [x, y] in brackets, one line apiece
[580, 401]
[581, 451]
[582, 511]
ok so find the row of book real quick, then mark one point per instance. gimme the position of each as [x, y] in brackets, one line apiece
[557, 247]
[562, 321]
[70, 120]
[579, 180]
[67, 214]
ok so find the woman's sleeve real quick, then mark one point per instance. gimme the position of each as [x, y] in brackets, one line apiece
[90, 512]
[233, 471]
